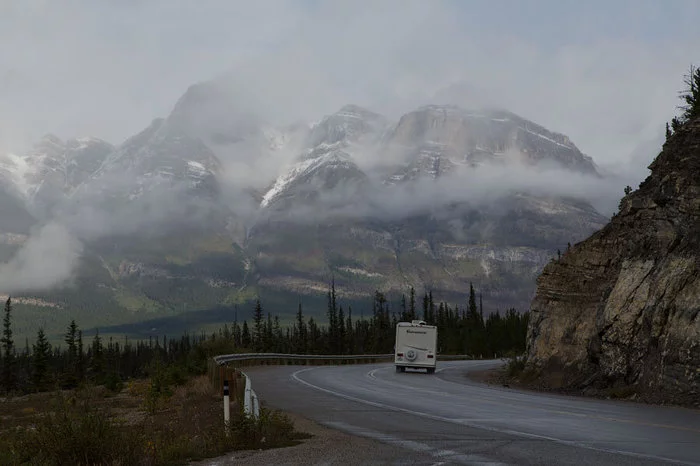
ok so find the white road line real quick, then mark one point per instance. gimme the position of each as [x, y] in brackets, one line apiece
[295, 376]
[450, 455]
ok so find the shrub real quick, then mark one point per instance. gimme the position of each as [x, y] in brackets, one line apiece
[77, 433]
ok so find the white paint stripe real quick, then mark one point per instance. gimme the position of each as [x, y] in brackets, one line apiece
[295, 376]
[450, 455]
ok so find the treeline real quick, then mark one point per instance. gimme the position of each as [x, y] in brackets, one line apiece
[45, 367]
[109, 362]
[460, 330]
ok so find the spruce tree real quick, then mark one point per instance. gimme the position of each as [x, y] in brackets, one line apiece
[9, 370]
[691, 95]
[350, 333]
[97, 362]
[301, 332]
[412, 304]
[41, 352]
[259, 327]
[70, 374]
[341, 331]
[245, 336]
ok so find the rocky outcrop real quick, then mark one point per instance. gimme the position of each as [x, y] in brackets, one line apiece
[621, 310]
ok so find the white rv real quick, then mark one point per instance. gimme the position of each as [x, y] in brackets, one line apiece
[416, 345]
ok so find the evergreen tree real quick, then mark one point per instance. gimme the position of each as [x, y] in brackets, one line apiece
[9, 369]
[40, 361]
[691, 95]
[675, 124]
[412, 304]
[80, 362]
[97, 362]
[259, 327]
[246, 340]
[341, 331]
[301, 333]
[332, 314]
[350, 333]
[668, 132]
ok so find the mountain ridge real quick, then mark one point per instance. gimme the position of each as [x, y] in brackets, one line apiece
[288, 208]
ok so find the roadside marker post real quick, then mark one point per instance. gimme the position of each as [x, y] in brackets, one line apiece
[227, 407]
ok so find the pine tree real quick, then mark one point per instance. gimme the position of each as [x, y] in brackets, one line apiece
[301, 344]
[668, 132]
[675, 124]
[97, 362]
[412, 304]
[41, 352]
[70, 375]
[333, 339]
[350, 333]
[259, 327]
[341, 331]
[691, 95]
[245, 336]
[80, 362]
[9, 370]
[472, 300]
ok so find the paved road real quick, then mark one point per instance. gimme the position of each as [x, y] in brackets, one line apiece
[447, 419]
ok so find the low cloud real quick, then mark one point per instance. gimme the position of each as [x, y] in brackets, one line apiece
[48, 258]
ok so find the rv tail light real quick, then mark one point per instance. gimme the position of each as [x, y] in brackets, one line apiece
[399, 355]
[430, 356]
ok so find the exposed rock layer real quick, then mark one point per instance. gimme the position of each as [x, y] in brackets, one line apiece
[622, 308]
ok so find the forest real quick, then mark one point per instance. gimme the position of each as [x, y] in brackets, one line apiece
[461, 330]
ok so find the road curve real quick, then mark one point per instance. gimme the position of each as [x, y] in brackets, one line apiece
[447, 419]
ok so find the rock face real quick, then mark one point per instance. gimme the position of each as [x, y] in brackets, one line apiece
[621, 309]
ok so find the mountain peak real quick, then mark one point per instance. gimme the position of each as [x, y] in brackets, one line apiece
[350, 124]
[460, 136]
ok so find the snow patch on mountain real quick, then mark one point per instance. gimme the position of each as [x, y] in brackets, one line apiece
[15, 169]
[286, 179]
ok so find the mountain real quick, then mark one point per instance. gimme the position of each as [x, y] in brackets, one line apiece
[435, 139]
[213, 205]
[333, 214]
[53, 169]
[619, 312]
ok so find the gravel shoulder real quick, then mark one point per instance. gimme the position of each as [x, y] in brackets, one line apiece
[326, 447]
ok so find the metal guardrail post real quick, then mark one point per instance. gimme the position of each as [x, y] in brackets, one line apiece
[247, 397]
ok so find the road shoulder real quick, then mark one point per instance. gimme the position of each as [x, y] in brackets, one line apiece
[327, 446]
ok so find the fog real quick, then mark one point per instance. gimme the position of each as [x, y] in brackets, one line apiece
[47, 259]
[606, 74]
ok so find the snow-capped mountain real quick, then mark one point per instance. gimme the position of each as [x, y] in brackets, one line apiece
[309, 178]
[54, 166]
[156, 157]
[430, 142]
[302, 187]
[435, 139]
[349, 125]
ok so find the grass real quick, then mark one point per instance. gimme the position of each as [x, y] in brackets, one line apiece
[141, 425]
[134, 302]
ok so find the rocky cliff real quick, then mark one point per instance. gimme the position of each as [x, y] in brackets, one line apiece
[621, 310]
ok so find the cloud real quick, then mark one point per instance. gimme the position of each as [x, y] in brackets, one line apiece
[606, 75]
[605, 79]
[485, 186]
[48, 258]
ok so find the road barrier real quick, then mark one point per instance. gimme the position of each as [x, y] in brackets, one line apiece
[250, 359]
[224, 370]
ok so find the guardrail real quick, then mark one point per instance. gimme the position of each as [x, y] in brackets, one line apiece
[282, 358]
[221, 375]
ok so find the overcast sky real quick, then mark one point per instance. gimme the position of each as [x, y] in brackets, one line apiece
[605, 73]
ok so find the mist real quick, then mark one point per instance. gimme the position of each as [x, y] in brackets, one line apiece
[48, 258]
[606, 75]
